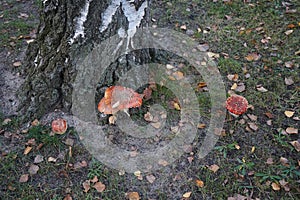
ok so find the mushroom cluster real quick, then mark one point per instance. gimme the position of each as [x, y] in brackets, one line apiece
[118, 98]
[236, 105]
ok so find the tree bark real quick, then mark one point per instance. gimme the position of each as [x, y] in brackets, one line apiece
[67, 32]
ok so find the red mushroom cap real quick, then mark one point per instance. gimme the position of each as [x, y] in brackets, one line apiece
[119, 98]
[59, 126]
[237, 104]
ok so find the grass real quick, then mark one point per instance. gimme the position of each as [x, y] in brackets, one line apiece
[234, 30]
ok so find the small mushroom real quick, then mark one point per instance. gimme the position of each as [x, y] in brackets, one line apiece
[236, 105]
[59, 126]
[118, 98]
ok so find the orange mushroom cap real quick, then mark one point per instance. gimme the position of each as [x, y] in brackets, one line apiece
[237, 104]
[118, 98]
[59, 126]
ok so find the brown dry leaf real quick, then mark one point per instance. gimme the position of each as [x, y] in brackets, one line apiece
[289, 113]
[284, 184]
[253, 126]
[275, 186]
[27, 150]
[35, 122]
[199, 183]
[172, 78]
[24, 178]
[284, 161]
[38, 159]
[147, 93]
[133, 196]
[150, 178]
[51, 159]
[176, 106]
[178, 75]
[213, 55]
[187, 195]
[269, 115]
[296, 145]
[201, 126]
[201, 85]
[214, 168]
[148, 117]
[291, 130]
[163, 162]
[252, 117]
[94, 180]
[240, 87]
[270, 161]
[156, 125]
[86, 186]
[288, 81]
[100, 187]
[234, 86]
[233, 77]
[252, 57]
[33, 169]
[289, 64]
[17, 64]
[68, 197]
[81, 164]
[203, 47]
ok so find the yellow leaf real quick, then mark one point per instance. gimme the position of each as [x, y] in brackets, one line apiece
[234, 86]
[201, 126]
[137, 173]
[237, 146]
[187, 195]
[176, 106]
[27, 150]
[178, 75]
[252, 149]
[289, 113]
[199, 183]
[252, 57]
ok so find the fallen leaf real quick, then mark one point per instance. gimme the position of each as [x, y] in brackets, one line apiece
[86, 186]
[203, 47]
[94, 180]
[137, 173]
[112, 119]
[240, 87]
[69, 142]
[150, 178]
[100, 187]
[168, 66]
[17, 64]
[284, 161]
[178, 75]
[163, 162]
[133, 196]
[275, 186]
[24, 178]
[27, 150]
[148, 117]
[156, 124]
[33, 169]
[199, 183]
[289, 64]
[214, 168]
[234, 86]
[291, 130]
[253, 149]
[233, 77]
[289, 113]
[68, 197]
[253, 126]
[176, 106]
[201, 85]
[288, 81]
[261, 88]
[183, 27]
[187, 195]
[252, 117]
[269, 115]
[270, 161]
[201, 126]
[288, 32]
[237, 146]
[252, 57]
[147, 93]
[175, 129]
[296, 145]
[38, 159]
[35, 122]
[51, 159]
[213, 55]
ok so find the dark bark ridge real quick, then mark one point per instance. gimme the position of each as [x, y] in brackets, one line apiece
[67, 32]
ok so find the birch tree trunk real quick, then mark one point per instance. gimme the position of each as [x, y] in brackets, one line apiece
[67, 32]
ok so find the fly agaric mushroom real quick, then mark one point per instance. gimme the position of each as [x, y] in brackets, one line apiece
[59, 126]
[118, 98]
[236, 105]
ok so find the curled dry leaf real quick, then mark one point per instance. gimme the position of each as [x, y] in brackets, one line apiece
[284, 161]
[27, 150]
[100, 187]
[291, 130]
[252, 57]
[288, 81]
[296, 145]
[270, 161]
[253, 126]
[233, 77]
[24, 178]
[261, 88]
[94, 180]
[133, 196]
[38, 159]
